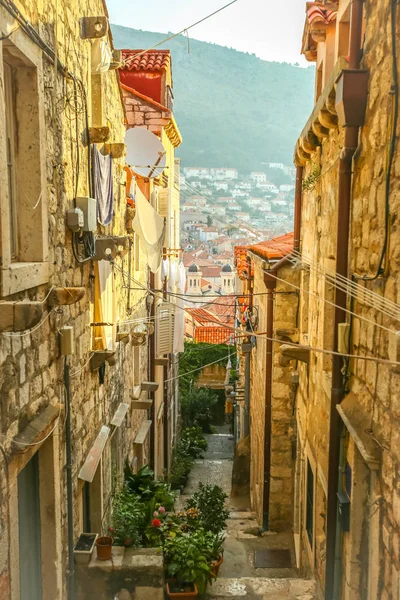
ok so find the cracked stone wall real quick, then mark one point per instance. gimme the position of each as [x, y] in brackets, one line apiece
[31, 368]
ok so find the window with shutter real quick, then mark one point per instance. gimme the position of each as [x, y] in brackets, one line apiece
[165, 321]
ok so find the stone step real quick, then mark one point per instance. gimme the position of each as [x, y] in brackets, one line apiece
[262, 588]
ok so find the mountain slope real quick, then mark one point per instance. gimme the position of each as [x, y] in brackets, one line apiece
[233, 109]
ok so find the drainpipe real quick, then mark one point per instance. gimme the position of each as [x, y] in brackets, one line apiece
[246, 348]
[68, 468]
[342, 247]
[297, 208]
[152, 358]
[270, 282]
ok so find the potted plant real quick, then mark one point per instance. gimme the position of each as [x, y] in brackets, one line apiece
[187, 566]
[216, 551]
[210, 501]
[84, 548]
[128, 518]
[104, 547]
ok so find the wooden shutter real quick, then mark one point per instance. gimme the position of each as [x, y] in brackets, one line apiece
[165, 321]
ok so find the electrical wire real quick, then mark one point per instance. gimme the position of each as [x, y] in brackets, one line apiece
[31, 444]
[322, 299]
[29, 331]
[239, 334]
[394, 91]
[185, 30]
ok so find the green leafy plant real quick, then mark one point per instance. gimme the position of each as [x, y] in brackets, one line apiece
[128, 519]
[186, 559]
[192, 442]
[180, 469]
[165, 496]
[196, 408]
[210, 501]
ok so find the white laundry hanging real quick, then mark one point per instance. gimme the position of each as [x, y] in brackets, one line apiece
[150, 228]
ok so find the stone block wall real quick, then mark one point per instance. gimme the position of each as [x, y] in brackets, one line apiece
[370, 551]
[129, 575]
[31, 367]
[281, 480]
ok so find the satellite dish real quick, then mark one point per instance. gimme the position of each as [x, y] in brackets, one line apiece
[145, 155]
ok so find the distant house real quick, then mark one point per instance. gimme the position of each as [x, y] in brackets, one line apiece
[221, 185]
[254, 201]
[258, 177]
[272, 165]
[197, 172]
[267, 187]
[236, 193]
[208, 234]
[242, 216]
[224, 173]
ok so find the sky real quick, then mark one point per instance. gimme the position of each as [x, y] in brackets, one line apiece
[271, 29]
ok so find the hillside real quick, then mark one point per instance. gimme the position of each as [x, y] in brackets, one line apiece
[233, 108]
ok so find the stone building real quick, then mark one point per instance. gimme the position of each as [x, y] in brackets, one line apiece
[71, 413]
[343, 497]
[270, 305]
[347, 409]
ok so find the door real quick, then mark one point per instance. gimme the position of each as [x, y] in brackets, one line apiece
[30, 556]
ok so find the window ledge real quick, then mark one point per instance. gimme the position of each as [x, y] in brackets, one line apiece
[21, 276]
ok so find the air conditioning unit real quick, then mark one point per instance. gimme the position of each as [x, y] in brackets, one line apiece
[165, 322]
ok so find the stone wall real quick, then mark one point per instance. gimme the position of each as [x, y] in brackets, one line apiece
[370, 550]
[281, 481]
[31, 368]
[129, 575]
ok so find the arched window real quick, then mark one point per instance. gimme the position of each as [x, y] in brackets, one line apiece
[229, 282]
[191, 282]
[194, 283]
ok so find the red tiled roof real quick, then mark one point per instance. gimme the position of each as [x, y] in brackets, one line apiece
[316, 13]
[151, 60]
[241, 263]
[213, 335]
[202, 316]
[274, 249]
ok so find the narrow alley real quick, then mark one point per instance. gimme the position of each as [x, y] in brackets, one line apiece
[245, 547]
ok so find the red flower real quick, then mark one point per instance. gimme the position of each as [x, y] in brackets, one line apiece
[156, 523]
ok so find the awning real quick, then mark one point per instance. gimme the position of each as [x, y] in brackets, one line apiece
[357, 421]
[150, 228]
[142, 433]
[91, 463]
[120, 414]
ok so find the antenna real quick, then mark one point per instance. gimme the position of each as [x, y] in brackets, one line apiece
[145, 155]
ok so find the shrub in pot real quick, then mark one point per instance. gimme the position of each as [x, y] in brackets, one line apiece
[187, 564]
[128, 519]
[210, 501]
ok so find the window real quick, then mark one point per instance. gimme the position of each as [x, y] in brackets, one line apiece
[310, 504]
[23, 220]
[194, 283]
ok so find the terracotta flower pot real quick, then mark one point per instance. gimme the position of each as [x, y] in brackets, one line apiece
[104, 547]
[216, 564]
[190, 590]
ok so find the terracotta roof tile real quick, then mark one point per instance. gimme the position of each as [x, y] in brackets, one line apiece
[152, 60]
[316, 13]
[274, 249]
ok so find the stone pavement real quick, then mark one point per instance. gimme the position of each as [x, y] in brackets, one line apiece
[238, 578]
